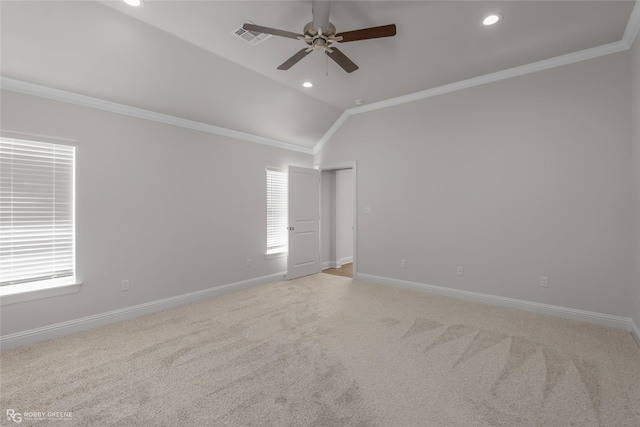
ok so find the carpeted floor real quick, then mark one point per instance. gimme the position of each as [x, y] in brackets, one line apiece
[329, 351]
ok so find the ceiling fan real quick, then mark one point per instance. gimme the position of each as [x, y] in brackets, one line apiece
[320, 34]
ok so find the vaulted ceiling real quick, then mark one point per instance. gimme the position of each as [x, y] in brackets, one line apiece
[183, 60]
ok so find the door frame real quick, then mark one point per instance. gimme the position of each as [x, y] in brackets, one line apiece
[335, 167]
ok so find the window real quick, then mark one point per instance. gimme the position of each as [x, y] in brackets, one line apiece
[277, 214]
[37, 230]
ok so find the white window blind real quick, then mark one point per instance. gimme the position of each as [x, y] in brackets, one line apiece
[36, 211]
[277, 211]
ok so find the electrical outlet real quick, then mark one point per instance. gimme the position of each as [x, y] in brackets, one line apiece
[459, 271]
[544, 281]
[248, 263]
[125, 285]
[403, 263]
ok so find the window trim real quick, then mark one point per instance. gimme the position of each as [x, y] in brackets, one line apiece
[37, 290]
[274, 255]
[29, 291]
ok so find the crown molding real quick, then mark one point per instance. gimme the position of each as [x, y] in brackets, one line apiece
[333, 129]
[633, 26]
[546, 64]
[630, 34]
[19, 86]
[497, 76]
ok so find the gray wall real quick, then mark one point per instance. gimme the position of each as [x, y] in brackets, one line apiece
[337, 217]
[512, 180]
[172, 210]
[328, 217]
[635, 114]
[344, 216]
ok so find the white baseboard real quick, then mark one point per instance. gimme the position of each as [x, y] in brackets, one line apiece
[336, 264]
[600, 319]
[345, 260]
[330, 264]
[31, 336]
[635, 331]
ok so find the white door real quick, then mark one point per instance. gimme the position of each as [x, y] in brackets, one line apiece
[304, 222]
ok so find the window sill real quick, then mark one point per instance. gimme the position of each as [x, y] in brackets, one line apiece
[275, 255]
[13, 294]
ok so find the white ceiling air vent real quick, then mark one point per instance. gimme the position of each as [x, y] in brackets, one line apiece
[250, 36]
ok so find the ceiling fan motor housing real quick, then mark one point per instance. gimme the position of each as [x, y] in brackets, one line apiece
[319, 39]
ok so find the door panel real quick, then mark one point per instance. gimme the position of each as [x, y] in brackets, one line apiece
[304, 222]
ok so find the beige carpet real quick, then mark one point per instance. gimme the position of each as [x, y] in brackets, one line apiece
[329, 351]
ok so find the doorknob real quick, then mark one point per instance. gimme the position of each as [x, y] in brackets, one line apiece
[290, 228]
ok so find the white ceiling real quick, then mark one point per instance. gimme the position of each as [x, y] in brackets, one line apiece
[180, 57]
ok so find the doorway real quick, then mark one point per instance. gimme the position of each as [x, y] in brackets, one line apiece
[338, 227]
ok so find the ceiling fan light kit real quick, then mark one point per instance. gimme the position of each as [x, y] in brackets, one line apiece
[320, 34]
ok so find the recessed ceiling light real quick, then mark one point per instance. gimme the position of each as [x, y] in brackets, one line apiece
[134, 3]
[307, 84]
[492, 19]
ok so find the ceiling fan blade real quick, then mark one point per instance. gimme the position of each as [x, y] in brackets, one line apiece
[320, 12]
[272, 31]
[342, 60]
[368, 33]
[294, 59]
